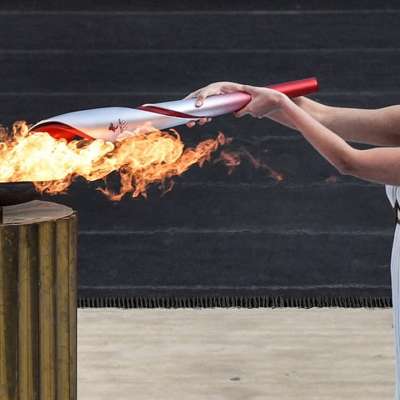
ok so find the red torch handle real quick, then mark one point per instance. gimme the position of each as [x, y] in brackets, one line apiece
[297, 88]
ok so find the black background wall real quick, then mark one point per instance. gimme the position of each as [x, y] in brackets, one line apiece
[216, 234]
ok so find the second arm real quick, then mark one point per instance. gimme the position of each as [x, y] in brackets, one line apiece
[379, 127]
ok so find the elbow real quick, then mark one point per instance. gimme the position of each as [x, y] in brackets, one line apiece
[346, 166]
[345, 169]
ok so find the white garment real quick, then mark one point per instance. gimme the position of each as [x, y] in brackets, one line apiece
[393, 193]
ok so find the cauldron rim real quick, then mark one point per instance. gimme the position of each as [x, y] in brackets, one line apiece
[12, 193]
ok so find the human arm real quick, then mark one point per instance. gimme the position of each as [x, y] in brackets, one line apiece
[380, 127]
[381, 165]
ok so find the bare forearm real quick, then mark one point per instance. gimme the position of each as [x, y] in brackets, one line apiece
[330, 145]
[316, 110]
[381, 165]
[380, 127]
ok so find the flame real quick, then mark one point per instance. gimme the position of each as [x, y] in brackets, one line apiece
[141, 159]
[232, 159]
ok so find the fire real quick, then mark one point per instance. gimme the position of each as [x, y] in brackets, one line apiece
[141, 159]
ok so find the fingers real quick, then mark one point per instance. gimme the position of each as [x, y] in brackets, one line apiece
[214, 89]
[201, 122]
[200, 99]
[202, 95]
[230, 87]
[204, 120]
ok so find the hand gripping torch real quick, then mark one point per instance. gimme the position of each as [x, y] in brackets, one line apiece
[109, 123]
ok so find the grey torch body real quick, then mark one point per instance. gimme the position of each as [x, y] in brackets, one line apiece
[109, 123]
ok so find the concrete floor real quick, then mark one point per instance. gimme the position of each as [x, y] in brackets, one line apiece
[235, 354]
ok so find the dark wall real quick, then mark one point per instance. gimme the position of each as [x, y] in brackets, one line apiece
[216, 233]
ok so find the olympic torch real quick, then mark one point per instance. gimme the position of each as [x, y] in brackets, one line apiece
[110, 123]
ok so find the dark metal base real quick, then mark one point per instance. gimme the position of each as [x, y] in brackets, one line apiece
[17, 192]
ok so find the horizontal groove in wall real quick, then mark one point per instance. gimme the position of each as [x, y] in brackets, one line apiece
[283, 185]
[276, 231]
[335, 71]
[202, 12]
[201, 51]
[271, 184]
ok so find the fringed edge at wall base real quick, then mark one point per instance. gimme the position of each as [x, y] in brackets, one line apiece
[233, 301]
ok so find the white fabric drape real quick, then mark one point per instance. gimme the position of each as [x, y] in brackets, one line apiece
[393, 195]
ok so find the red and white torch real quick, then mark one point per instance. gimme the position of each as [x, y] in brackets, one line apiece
[110, 123]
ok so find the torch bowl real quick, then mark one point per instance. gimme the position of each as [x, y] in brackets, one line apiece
[17, 192]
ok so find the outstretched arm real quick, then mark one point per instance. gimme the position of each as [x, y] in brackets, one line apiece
[380, 165]
[379, 127]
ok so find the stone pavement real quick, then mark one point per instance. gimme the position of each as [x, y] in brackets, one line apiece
[235, 354]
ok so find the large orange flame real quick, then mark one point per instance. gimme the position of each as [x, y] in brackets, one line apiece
[141, 159]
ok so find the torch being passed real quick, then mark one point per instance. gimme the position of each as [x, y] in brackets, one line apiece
[109, 123]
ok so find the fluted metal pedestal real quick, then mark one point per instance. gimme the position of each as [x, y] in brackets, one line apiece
[38, 297]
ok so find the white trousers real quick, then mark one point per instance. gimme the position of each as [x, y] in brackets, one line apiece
[395, 276]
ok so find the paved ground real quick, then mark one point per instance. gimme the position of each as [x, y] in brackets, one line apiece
[235, 354]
